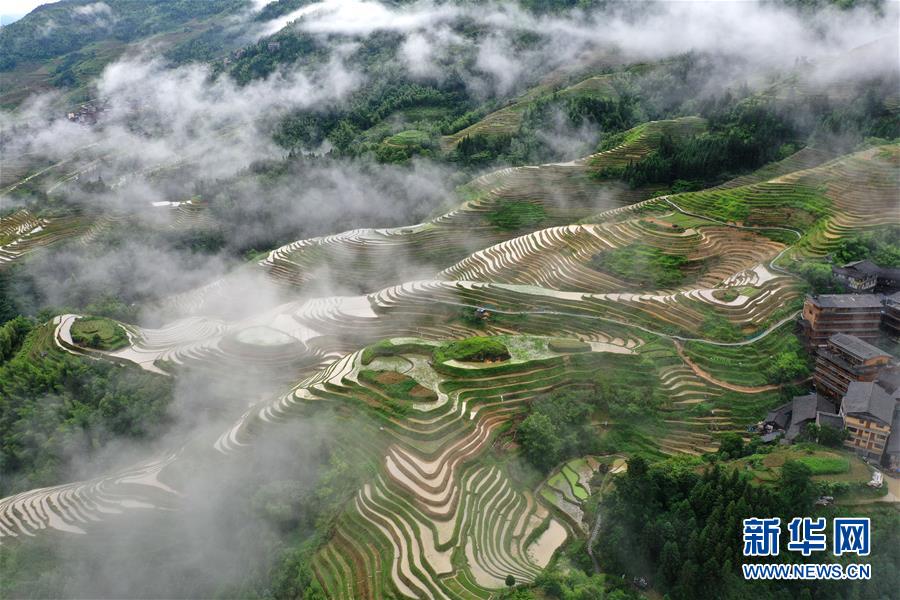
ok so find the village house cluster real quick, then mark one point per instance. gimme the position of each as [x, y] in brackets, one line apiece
[239, 53]
[87, 113]
[857, 384]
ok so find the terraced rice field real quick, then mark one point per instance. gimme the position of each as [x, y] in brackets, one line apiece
[862, 188]
[433, 521]
[420, 527]
[558, 258]
[506, 120]
[439, 514]
[72, 508]
[565, 193]
[827, 202]
[191, 214]
[567, 488]
[21, 233]
[807, 158]
[742, 365]
[642, 140]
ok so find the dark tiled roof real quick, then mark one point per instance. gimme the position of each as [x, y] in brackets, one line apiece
[846, 300]
[804, 408]
[865, 397]
[824, 419]
[853, 273]
[867, 267]
[893, 443]
[792, 432]
[781, 416]
[856, 347]
[889, 379]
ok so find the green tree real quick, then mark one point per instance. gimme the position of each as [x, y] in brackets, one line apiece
[797, 488]
[12, 334]
[670, 562]
[818, 276]
[342, 136]
[880, 246]
[832, 437]
[540, 441]
[787, 366]
[732, 445]
[810, 433]
[279, 502]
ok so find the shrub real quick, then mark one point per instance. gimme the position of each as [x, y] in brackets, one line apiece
[732, 445]
[726, 295]
[787, 366]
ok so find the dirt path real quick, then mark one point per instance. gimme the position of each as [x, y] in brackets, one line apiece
[772, 264]
[724, 384]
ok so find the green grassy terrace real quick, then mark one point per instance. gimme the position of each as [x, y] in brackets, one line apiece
[98, 333]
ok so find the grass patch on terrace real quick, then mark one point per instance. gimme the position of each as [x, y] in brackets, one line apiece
[717, 327]
[410, 137]
[726, 295]
[401, 146]
[572, 479]
[621, 138]
[764, 204]
[566, 346]
[777, 358]
[397, 385]
[512, 216]
[474, 349]
[779, 235]
[99, 333]
[389, 348]
[641, 264]
[828, 465]
[682, 220]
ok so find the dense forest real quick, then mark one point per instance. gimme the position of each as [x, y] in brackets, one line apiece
[55, 407]
[681, 529]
